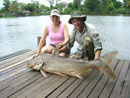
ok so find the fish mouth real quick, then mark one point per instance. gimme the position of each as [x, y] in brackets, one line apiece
[36, 66]
[31, 65]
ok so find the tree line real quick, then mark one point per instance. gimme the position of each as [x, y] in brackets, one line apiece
[14, 8]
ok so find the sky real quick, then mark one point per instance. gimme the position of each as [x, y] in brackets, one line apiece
[45, 2]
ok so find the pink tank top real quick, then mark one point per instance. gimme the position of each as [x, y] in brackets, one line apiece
[56, 37]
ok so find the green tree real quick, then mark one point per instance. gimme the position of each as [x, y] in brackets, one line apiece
[57, 1]
[118, 4]
[29, 7]
[36, 6]
[51, 3]
[43, 7]
[21, 8]
[110, 7]
[33, 7]
[92, 5]
[14, 7]
[77, 4]
[54, 3]
[127, 3]
[6, 4]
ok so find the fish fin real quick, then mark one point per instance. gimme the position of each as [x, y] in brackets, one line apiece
[80, 77]
[84, 73]
[109, 72]
[109, 57]
[58, 73]
[43, 73]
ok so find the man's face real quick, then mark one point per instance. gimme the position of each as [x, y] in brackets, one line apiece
[78, 23]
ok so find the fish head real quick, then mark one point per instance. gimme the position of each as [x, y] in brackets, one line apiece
[88, 43]
[35, 63]
[87, 40]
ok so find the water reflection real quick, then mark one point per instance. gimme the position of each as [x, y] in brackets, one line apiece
[21, 33]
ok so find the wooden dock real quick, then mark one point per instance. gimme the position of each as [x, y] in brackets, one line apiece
[18, 81]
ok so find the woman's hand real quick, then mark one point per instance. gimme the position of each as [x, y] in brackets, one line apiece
[36, 55]
[59, 45]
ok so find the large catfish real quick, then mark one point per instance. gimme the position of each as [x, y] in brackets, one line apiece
[67, 66]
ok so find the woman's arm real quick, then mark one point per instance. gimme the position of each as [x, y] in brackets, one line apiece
[66, 35]
[42, 41]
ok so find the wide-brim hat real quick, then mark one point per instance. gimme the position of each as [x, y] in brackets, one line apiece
[55, 12]
[77, 15]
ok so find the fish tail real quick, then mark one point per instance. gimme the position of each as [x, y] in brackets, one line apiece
[109, 57]
[106, 69]
[109, 72]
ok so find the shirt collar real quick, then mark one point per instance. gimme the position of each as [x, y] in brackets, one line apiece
[84, 29]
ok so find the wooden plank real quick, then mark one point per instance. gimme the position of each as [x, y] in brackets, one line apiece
[7, 81]
[13, 54]
[33, 82]
[70, 89]
[111, 83]
[16, 59]
[39, 87]
[51, 88]
[6, 76]
[83, 85]
[5, 68]
[44, 88]
[126, 85]
[102, 82]
[24, 78]
[117, 89]
[67, 92]
[13, 68]
[64, 86]
[18, 83]
[91, 85]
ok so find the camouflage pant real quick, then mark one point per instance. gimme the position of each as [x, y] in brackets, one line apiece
[88, 52]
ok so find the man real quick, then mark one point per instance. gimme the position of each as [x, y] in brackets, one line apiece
[85, 34]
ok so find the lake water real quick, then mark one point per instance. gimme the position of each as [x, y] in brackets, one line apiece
[21, 33]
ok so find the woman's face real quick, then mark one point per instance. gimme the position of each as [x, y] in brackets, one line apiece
[55, 18]
[78, 23]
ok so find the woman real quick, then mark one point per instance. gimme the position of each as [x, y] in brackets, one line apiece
[57, 33]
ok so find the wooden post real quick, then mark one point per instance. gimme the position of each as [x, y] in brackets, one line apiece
[38, 40]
